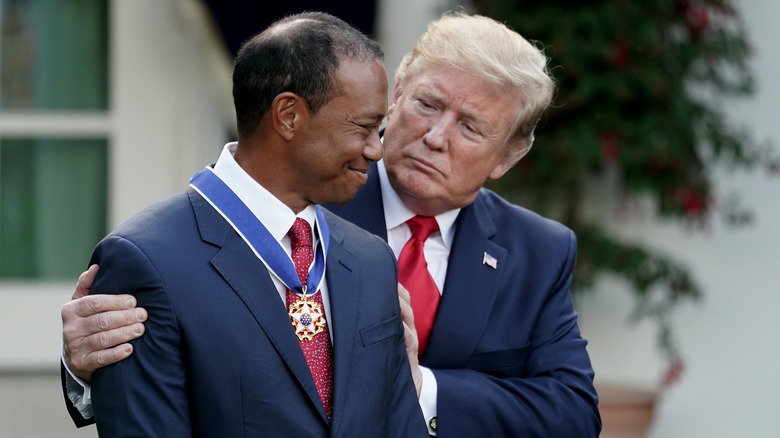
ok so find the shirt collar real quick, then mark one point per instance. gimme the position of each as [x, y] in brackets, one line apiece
[275, 215]
[397, 213]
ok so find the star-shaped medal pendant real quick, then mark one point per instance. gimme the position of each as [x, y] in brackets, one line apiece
[307, 318]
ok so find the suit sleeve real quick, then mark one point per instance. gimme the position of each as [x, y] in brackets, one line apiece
[146, 394]
[406, 418]
[554, 396]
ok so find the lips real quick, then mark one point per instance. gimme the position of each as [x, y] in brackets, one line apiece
[361, 174]
[424, 165]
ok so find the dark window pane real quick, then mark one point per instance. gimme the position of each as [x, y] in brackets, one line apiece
[54, 55]
[52, 205]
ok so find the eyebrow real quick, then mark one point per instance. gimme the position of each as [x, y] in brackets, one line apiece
[482, 122]
[467, 112]
[376, 118]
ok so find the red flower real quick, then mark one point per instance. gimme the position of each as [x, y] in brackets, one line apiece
[619, 55]
[698, 18]
[609, 147]
[673, 373]
[691, 201]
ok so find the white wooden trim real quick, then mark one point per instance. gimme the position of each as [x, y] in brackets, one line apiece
[55, 124]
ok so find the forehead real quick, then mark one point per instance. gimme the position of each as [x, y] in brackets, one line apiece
[471, 96]
[363, 85]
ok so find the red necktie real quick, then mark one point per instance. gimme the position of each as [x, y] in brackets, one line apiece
[318, 351]
[414, 276]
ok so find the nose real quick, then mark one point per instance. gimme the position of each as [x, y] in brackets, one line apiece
[373, 149]
[436, 137]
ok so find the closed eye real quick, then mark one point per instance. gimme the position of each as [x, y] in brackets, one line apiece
[370, 128]
[426, 105]
[471, 130]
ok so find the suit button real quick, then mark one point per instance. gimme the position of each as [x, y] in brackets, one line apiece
[432, 424]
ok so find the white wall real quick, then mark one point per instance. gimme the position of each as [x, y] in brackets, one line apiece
[172, 102]
[400, 23]
[171, 109]
[730, 387]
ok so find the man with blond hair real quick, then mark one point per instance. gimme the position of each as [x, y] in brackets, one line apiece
[492, 337]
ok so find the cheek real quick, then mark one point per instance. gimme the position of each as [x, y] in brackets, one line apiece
[402, 133]
[391, 148]
[470, 169]
[347, 151]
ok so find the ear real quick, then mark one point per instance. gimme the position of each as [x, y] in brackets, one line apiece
[511, 154]
[501, 168]
[397, 92]
[288, 113]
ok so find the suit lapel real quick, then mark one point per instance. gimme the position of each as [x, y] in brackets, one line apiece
[250, 280]
[470, 288]
[343, 276]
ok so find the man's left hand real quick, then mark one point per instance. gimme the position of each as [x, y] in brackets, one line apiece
[410, 336]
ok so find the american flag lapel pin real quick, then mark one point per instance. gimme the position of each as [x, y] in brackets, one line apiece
[489, 260]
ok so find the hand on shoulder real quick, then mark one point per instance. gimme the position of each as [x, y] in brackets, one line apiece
[96, 328]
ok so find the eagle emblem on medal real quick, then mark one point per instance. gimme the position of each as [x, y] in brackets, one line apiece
[307, 318]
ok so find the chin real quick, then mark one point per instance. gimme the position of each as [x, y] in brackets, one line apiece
[342, 197]
[339, 201]
[418, 186]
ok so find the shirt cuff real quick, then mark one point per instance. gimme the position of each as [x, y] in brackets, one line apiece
[79, 392]
[427, 399]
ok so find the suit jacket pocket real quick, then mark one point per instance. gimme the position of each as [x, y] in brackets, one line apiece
[502, 363]
[381, 331]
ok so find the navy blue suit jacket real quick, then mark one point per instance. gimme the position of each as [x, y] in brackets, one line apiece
[219, 357]
[505, 346]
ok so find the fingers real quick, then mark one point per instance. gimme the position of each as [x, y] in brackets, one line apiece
[86, 354]
[84, 366]
[98, 313]
[405, 302]
[96, 304]
[109, 338]
[95, 329]
[85, 282]
[410, 333]
[403, 294]
[111, 355]
[411, 343]
[407, 315]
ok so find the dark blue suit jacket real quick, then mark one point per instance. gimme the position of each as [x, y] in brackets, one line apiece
[219, 357]
[505, 346]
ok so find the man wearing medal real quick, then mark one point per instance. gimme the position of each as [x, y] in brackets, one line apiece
[268, 316]
[499, 353]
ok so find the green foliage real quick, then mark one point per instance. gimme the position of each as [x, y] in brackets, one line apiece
[639, 90]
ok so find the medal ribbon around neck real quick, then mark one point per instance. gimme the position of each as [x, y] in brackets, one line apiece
[259, 239]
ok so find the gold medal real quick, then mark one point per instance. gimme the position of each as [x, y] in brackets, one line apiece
[307, 318]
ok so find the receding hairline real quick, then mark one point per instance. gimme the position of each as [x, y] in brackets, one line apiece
[345, 37]
[288, 25]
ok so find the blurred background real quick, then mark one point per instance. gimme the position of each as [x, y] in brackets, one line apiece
[660, 152]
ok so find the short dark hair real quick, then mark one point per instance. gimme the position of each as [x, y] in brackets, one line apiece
[300, 54]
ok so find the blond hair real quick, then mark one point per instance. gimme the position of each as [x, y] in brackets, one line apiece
[491, 51]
